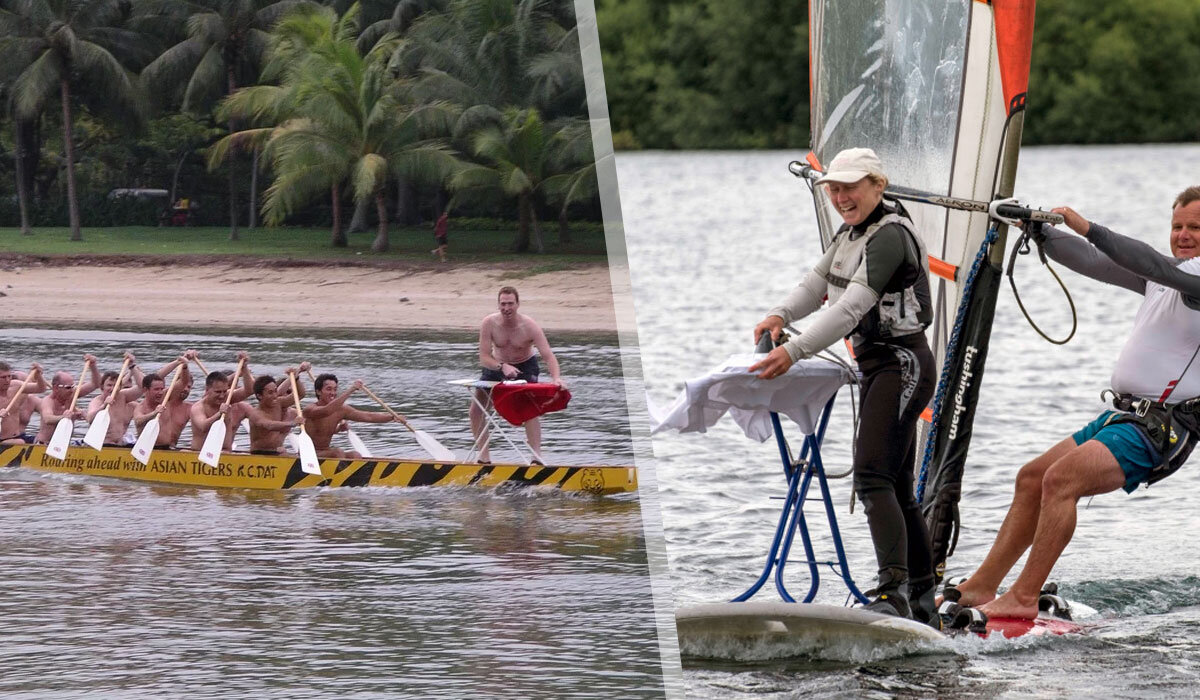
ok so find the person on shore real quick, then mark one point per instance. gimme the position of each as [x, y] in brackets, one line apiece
[274, 417]
[507, 340]
[121, 406]
[14, 422]
[876, 276]
[325, 417]
[440, 235]
[57, 405]
[1156, 397]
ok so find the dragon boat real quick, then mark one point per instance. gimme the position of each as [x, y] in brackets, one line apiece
[271, 472]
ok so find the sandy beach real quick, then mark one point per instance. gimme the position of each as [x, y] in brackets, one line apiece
[232, 294]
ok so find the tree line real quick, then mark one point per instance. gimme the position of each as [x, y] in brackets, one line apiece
[717, 74]
[397, 109]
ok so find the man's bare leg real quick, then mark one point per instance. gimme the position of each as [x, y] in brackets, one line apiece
[1088, 470]
[533, 435]
[479, 429]
[1017, 531]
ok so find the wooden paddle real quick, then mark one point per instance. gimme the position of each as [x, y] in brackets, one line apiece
[57, 447]
[210, 451]
[308, 452]
[435, 449]
[355, 441]
[200, 365]
[99, 427]
[149, 437]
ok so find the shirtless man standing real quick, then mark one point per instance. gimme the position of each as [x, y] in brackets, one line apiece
[272, 419]
[507, 340]
[56, 405]
[323, 418]
[13, 423]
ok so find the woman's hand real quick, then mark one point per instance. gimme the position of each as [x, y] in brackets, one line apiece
[770, 324]
[774, 364]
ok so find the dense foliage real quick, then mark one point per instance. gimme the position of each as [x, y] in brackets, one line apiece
[290, 109]
[718, 74]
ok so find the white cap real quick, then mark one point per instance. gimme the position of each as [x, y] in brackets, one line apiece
[852, 165]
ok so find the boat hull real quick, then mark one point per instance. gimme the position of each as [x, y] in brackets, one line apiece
[268, 472]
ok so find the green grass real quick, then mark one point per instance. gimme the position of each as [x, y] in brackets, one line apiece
[407, 244]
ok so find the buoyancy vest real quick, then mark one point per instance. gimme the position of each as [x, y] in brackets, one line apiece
[904, 305]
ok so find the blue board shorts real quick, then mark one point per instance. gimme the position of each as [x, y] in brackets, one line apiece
[1128, 444]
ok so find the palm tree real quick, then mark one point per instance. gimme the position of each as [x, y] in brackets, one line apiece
[574, 163]
[514, 150]
[340, 115]
[53, 46]
[225, 47]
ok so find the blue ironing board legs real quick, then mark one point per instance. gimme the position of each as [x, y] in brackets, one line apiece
[791, 519]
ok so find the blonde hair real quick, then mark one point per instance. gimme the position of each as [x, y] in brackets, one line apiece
[878, 179]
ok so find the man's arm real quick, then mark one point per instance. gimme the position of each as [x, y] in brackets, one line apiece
[1146, 262]
[200, 422]
[354, 414]
[260, 419]
[315, 411]
[1076, 254]
[142, 415]
[94, 407]
[34, 385]
[247, 379]
[49, 417]
[543, 348]
[95, 382]
[486, 359]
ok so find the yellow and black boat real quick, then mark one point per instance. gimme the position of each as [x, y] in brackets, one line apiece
[247, 471]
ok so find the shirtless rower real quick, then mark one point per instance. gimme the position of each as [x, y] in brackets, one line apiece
[154, 390]
[121, 405]
[507, 339]
[56, 405]
[272, 419]
[324, 418]
[210, 408]
[13, 423]
[173, 410]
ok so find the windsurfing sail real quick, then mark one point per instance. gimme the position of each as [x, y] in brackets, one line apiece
[937, 88]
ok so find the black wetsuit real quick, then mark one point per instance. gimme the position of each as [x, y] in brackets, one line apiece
[898, 383]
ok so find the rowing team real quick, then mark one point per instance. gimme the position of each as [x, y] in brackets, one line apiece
[131, 401]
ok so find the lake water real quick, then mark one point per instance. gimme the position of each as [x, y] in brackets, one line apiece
[124, 589]
[716, 239]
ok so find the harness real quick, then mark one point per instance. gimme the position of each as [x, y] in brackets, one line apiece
[1170, 430]
[889, 317]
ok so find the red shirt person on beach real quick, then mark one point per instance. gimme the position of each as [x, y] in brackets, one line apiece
[440, 232]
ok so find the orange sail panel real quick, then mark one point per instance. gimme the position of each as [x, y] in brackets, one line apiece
[1014, 46]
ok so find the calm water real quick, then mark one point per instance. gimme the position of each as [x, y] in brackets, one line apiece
[715, 239]
[134, 590]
